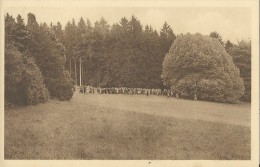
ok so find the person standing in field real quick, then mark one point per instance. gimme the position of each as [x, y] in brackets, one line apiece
[171, 93]
[195, 97]
[168, 93]
[88, 89]
[81, 90]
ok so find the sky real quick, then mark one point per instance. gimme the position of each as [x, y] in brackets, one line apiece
[233, 23]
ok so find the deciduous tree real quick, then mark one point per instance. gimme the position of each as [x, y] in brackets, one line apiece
[199, 65]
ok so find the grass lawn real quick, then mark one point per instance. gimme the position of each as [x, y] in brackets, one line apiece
[128, 127]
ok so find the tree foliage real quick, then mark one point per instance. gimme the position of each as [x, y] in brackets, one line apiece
[49, 54]
[36, 57]
[23, 79]
[216, 35]
[199, 65]
[241, 55]
[228, 45]
[124, 54]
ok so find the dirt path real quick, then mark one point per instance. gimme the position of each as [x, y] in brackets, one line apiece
[235, 114]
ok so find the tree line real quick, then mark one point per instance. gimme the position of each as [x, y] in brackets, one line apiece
[125, 54]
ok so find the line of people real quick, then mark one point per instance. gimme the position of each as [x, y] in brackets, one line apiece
[137, 91]
[130, 91]
[87, 90]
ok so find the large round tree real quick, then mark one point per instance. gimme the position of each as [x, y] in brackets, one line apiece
[198, 65]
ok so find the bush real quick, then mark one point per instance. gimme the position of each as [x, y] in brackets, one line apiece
[23, 79]
[14, 68]
[35, 90]
[61, 88]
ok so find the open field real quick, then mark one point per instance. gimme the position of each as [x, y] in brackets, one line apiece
[128, 127]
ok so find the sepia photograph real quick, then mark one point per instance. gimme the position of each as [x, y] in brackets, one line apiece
[140, 81]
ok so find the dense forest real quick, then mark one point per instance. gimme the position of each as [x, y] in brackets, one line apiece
[45, 61]
[123, 54]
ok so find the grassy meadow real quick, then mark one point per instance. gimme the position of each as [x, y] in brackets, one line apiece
[128, 127]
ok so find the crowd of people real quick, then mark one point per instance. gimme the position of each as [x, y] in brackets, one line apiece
[130, 91]
[87, 90]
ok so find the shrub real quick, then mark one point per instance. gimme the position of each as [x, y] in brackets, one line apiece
[14, 68]
[35, 90]
[23, 79]
[61, 88]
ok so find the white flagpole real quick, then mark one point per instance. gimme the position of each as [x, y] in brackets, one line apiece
[80, 72]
